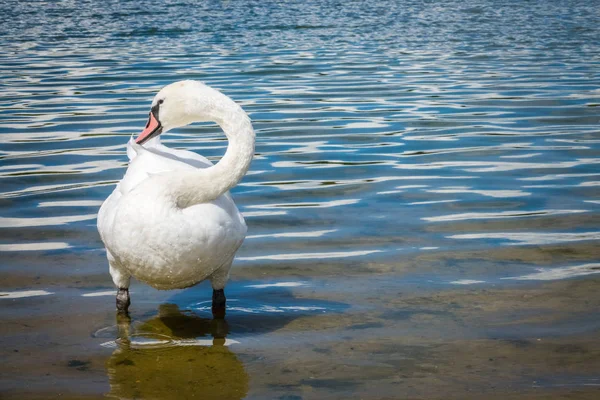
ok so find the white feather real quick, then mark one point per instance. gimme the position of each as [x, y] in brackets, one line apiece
[171, 221]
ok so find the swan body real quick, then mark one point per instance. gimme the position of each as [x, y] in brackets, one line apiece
[171, 221]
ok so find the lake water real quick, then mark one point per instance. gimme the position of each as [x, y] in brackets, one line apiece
[423, 206]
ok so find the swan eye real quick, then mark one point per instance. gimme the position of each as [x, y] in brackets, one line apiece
[161, 101]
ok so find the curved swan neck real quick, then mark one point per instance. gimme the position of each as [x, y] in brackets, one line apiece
[204, 185]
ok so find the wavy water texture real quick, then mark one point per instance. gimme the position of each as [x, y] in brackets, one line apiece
[493, 125]
[402, 147]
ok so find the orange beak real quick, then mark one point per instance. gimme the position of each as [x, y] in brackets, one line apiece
[153, 128]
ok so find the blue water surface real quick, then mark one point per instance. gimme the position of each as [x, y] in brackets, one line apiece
[434, 144]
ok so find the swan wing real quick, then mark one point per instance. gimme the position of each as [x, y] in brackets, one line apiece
[155, 146]
[145, 161]
[186, 156]
[154, 159]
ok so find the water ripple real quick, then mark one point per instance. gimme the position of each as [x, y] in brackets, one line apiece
[532, 238]
[496, 215]
[374, 134]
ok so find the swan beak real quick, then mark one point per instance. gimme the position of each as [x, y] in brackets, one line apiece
[153, 128]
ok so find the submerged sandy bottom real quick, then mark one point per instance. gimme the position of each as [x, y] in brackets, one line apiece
[368, 336]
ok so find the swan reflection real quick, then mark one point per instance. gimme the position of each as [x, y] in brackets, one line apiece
[175, 355]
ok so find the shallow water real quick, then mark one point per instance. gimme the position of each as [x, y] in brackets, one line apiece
[423, 207]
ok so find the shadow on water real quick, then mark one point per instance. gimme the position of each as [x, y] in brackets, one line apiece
[183, 353]
[259, 308]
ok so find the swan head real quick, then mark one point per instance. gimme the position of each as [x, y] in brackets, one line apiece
[179, 104]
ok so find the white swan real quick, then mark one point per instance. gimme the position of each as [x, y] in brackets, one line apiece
[171, 221]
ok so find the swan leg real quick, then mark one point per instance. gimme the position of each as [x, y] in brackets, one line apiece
[121, 281]
[123, 300]
[218, 303]
[218, 279]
